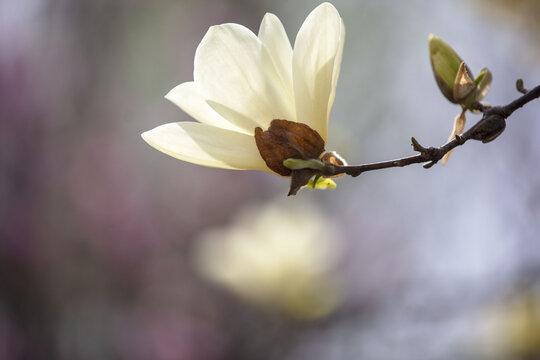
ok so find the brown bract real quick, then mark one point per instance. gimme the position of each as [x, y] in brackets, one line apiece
[332, 158]
[286, 139]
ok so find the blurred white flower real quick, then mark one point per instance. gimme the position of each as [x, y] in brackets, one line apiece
[279, 256]
[243, 81]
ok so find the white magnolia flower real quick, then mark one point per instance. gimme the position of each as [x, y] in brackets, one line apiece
[243, 81]
[280, 256]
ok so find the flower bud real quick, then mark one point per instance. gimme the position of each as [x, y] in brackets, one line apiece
[445, 64]
[453, 76]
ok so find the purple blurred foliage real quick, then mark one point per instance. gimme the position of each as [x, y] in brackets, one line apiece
[10, 340]
[20, 143]
[163, 336]
[81, 217]
[114, 216]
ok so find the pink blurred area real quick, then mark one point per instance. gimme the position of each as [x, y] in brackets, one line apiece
[90, 225]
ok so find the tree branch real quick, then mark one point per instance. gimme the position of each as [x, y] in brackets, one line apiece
[488, 128]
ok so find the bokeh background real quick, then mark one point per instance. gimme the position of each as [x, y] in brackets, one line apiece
[112, 250]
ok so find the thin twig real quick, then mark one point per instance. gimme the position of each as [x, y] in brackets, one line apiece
[491, 125]
[520, 87]
[522, 100]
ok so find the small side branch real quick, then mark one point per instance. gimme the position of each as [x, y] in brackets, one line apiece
[520, 87]
[522, 100]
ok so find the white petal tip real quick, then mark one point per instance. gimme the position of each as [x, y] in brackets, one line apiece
[269, 16]
[169, 96]
[145, 136]
[326, 5]
[150, 138]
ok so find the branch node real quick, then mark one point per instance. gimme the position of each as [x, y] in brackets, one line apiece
[429, 153]
[478, 106]
[490, 126]
[417, 147]
[460, 139]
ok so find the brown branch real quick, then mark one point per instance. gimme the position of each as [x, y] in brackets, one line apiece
[488, 128]
[522, 100]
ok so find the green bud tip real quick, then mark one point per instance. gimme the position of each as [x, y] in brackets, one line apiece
[445, 63]
[321, 183]
[298, 164]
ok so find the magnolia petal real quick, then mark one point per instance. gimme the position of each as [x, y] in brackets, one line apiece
[315, 50]
[229, 113]
[233, 69]
[187, 97]
[206, 145]
[337, 68]
[459, 125]
[274, 38]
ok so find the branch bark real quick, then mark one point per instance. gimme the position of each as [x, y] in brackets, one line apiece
[489, 127]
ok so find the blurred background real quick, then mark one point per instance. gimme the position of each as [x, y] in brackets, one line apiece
[110, 249]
